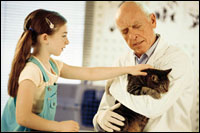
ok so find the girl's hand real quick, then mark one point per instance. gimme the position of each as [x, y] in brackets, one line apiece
[136, 70]
[68, 126]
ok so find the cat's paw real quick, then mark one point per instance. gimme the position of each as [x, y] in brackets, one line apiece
[155, 95]
[145, 90]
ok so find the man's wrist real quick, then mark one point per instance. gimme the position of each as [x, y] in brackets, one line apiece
[99, 128]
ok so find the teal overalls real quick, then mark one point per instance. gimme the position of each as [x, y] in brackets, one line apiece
[8, 121]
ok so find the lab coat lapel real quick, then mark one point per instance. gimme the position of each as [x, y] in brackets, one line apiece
[158, 53]
[131, 59]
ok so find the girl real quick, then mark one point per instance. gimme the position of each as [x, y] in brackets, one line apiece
[32, 81]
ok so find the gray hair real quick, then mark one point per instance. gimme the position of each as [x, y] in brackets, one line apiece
[142, 6]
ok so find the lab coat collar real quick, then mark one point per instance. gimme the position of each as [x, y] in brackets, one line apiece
[160, 49]
[158, 53]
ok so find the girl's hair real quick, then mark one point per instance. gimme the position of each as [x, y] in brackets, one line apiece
[36, 23]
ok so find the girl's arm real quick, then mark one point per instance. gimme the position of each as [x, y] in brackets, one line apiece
[24, 115]
[26, 118]
[100, 73]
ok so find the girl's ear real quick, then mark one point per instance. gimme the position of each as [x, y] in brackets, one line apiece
[43, 38]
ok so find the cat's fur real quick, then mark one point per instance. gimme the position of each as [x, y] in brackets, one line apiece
[154, 83]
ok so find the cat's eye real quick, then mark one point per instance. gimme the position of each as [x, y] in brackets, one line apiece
[154, 78]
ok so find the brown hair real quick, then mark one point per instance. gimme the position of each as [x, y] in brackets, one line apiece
[36, 23]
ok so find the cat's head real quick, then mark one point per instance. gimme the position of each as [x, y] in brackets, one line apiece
[157, 79]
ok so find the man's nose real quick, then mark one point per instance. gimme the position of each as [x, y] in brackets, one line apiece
[132, 36]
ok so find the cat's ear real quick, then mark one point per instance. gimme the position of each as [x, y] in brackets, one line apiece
[168, 71]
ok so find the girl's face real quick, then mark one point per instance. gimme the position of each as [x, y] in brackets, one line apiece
[58, 41]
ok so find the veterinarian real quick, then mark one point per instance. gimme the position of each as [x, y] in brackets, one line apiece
[170, 113]
[32, 82]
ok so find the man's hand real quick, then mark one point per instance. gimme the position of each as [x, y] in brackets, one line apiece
[107, 117]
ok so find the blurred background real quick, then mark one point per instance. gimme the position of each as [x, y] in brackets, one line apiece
[95, 41]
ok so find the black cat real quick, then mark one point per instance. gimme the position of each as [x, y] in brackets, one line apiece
[154, 83]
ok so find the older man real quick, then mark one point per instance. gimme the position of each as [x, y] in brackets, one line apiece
[172, 111]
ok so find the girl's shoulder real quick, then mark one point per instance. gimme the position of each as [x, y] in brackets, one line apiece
[30, 66]
[32, 72]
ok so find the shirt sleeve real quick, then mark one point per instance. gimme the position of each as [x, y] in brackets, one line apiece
[31, 72]
[181, 85]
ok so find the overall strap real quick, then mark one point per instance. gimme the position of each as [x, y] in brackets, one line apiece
[45, 77]
[55, 69]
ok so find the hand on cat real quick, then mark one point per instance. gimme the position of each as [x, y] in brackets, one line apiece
[136, 70]
[107, 117]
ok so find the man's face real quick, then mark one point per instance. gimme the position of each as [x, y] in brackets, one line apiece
[136, 28]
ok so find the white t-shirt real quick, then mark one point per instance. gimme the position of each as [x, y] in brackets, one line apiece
[32, 72]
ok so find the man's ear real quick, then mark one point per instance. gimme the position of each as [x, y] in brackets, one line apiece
[153, 20]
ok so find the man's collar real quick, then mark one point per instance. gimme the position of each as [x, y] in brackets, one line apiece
[152, 48]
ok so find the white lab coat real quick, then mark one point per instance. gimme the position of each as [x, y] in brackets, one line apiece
[172, 111]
